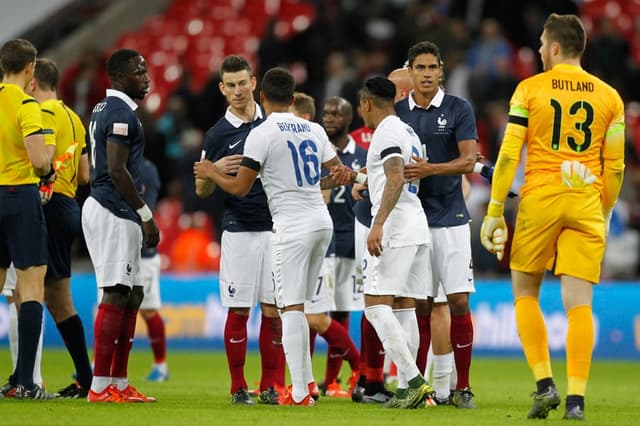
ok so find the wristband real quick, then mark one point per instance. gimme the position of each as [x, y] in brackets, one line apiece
[361, 178]
[145, 213]
[477, 168]
[495, 208]
[48, 175]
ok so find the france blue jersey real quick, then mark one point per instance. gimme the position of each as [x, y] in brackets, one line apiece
[342, 205]
[447, 121]
[150, 189]
[114, 120]
[227, 137]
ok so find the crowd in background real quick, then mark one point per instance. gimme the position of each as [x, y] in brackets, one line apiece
[488, 47]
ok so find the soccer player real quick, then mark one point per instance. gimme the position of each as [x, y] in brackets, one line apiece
[25, 159]
[62, 215]
[303, 106]
[315, 309]
[245, 269]
[116, 221]
[398, 243]
[573, 124]
[150, 271]
[287, 152]
[447, 128]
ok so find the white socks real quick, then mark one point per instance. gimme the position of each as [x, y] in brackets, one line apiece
[295, 342]
[393, 339]
[408, 324]
[442, 368]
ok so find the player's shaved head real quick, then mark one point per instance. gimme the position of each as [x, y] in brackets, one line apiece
[120, 62]
[343, 106]
[401, 78]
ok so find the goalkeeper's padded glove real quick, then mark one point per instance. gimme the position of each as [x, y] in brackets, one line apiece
[494, 232]
[576, 175]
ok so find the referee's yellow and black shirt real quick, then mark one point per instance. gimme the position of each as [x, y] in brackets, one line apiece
[20, 116]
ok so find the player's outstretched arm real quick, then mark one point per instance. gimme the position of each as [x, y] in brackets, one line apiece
[238, 185]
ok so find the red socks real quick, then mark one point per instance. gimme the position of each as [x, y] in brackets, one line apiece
[124, 344]
[462, 343]
[338, 338]
[106, 332]
[235, 345]
[157, 338]
[271, 353]
[375, 353]
[424, 327]
[334, 354]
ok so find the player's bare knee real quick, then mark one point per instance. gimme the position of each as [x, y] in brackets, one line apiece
[117, 296]
[459, 303]
[424, 306]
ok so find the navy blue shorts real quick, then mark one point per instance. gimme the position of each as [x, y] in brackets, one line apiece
[63, 223]
[23, 231]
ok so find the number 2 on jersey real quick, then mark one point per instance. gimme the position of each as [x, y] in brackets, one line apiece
[307, 153]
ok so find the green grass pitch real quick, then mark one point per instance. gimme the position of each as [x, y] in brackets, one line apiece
[198, 394]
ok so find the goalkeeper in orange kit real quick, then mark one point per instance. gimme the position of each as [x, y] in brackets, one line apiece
[573, 124]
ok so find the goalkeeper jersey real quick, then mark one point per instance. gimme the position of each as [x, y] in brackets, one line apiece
[563, 114]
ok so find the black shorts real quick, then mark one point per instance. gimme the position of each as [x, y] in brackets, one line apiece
[23, 232]
[63, 223]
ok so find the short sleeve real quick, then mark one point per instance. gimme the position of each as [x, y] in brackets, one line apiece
[30, 117]
[388, 143]
[49, 126]
[466, 123]
[328, 150]
[255, 146]
[213, 150]
[121, 126]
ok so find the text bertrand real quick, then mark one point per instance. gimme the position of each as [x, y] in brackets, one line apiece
[574, 86]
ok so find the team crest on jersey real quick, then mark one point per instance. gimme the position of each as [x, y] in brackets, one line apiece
[355, 165]
[442, 123]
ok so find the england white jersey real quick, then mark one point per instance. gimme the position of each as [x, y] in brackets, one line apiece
[291, 151]
[407, 223]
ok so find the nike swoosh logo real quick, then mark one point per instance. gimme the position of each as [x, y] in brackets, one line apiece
[459, 346]
[342, 355]
[233, 145]
[234, 340]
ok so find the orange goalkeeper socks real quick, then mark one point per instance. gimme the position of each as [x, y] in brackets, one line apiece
[580, 337]
[533, 335]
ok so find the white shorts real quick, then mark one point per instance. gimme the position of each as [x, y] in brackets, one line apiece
[348, 293]
[322, 299]
[10, 281]
[245, 269]
[296, 265]
[150, 269]
[399, 271]
[360, 235]
[114, 245]
[451, 262]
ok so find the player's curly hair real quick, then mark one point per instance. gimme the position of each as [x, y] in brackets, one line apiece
[119, 62]
[278, 86]
[421, 48]
[15, 55]
[380, 90]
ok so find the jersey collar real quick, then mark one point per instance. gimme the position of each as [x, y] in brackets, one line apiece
[435, 102]
[567, 67]
[350, 148]
[237, 121]
[121, 95]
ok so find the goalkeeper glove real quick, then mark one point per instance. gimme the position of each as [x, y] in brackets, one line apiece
[576, 175]
[494, 233]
